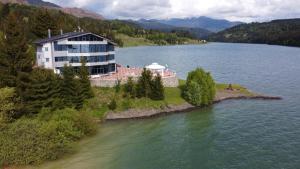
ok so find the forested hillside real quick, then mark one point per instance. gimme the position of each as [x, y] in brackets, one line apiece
[277, 32]
[37, 20]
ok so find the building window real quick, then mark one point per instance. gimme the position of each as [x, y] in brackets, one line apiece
[39, 56]
[46, 49]
[60, 47]
[47, 59]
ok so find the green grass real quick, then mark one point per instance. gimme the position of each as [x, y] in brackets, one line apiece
[97, 106]
[236, 87]
[132, 41]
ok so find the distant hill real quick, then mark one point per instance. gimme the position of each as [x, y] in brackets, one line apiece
[78, 12]
[32, 2]
[278, 32]
[213, 25]
[156, 25]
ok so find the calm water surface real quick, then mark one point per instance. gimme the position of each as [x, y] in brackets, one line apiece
[232, 134]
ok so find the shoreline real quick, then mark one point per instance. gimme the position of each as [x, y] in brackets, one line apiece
[183, 108]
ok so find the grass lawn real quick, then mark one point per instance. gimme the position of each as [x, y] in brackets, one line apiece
[131, 41]
[98, 105]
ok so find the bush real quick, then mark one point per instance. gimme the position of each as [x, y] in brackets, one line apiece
[112, 104]
[45, 137]
[8, 104]
[200, 88]
[129, 88]
[118, 86]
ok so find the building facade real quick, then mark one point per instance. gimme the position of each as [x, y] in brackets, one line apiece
[68, 49]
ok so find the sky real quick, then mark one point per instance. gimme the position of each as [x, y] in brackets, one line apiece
[233, 10]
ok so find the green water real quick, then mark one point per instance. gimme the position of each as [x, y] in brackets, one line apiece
[243, 134]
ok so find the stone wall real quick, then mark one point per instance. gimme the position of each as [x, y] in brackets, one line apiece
[171, 81]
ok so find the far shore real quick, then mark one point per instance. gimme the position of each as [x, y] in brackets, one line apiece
[221, 95]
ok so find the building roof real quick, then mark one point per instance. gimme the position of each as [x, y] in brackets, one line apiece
[68, 35]
[155, 66]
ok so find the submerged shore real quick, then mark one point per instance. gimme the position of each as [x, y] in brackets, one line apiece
[221, 95]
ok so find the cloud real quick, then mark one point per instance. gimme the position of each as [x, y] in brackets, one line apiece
[242, 10]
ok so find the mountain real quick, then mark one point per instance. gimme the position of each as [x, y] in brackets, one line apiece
[277, 32]
[78, 12]
[82, 13]
[32, 2]
[213, 25]
[155, 25]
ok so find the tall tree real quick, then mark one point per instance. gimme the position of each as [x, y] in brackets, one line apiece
[157, 88]
[41, 90]
[44, 21]
[15, 56]
[68, 86]
[143, 87]
[84, 81]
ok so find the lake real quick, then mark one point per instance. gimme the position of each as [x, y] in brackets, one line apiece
[242, 134]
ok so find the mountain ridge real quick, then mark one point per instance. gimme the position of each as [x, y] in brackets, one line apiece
[152, 24]
[276, 32]
[78, 12]
[213, 25]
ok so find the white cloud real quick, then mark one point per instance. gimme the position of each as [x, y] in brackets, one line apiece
[243, 10]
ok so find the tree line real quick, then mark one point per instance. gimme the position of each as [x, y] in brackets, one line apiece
[277, 32]
[36, 88]
[37, 21]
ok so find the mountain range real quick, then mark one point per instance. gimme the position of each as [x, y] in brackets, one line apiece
[200, 27]
[213, 25]
[78, 12]
[277, 32]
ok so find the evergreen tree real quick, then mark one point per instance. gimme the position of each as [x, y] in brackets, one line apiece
[85, 84]
[129, 88]
[143, 88]
[157, 88]
[71, 92]
[39, 90]
[68, 86]
[44, 21]
[15, 56]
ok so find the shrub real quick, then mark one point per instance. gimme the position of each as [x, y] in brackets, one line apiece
[112, 104]
[118, 86]
[45, 137]
[8, 104]
[200, 88]
[129, 88]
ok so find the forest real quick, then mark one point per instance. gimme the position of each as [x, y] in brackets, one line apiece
[37, 20]
[277, 32]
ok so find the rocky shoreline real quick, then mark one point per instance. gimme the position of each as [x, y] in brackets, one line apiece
[186, 107]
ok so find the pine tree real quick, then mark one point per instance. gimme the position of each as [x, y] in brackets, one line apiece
[44, 21]
[84, 81]
[39, 90]
[143, 88]
[68, 86]
[71, 91]
[157, 88]
[15, 56]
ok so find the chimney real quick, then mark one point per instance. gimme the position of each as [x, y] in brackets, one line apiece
[61, 32]
[49, 33]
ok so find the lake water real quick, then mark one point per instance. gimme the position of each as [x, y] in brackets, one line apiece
[242, 134]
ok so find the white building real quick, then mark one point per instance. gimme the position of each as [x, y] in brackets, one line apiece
[99, 52]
